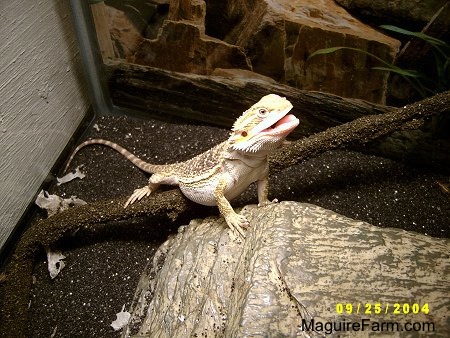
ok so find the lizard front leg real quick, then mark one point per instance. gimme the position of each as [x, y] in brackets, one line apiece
[234, 221]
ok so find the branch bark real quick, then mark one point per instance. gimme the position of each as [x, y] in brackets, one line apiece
[359, 131]
[172, 207]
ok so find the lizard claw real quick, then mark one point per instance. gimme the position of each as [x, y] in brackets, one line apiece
[237, 224]
[267, 202]
[137, 195]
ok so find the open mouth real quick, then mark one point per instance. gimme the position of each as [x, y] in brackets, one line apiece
[286, 123]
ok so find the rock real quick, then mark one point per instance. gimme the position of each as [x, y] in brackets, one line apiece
[130, 22]
[272, 38]
[189, 10]
[181, 46]
[278, 36]
[405, 13]
[298, 263]
[420, 55]
[124, 35]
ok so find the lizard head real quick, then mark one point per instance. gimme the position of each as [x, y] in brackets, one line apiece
[264, 126]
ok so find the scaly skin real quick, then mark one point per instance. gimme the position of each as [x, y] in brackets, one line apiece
[222, 173]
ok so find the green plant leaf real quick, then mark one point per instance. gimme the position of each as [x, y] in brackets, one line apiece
[431, 40]
[419, 81]
[324, 51]
[403, 72]
[334, 49]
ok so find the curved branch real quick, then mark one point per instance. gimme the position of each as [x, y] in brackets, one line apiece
[359, 131]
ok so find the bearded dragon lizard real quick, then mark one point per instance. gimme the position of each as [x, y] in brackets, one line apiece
[222, 173]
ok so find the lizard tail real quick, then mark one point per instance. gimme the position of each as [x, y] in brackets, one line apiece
[145, 166]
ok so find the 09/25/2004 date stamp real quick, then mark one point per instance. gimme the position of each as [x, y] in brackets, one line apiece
[382, 308]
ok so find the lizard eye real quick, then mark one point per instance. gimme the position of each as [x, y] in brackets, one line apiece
[262, 112]
[244, 133]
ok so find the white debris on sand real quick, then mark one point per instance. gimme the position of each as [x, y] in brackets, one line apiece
[55, 262]
[55, 204]
[122, 319]
[71, 176]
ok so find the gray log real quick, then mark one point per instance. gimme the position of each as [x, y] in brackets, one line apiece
[298, 262]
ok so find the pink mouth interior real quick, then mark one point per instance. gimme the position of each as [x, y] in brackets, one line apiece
[288, 122]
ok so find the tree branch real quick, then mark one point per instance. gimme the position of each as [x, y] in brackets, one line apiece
[359, 131]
